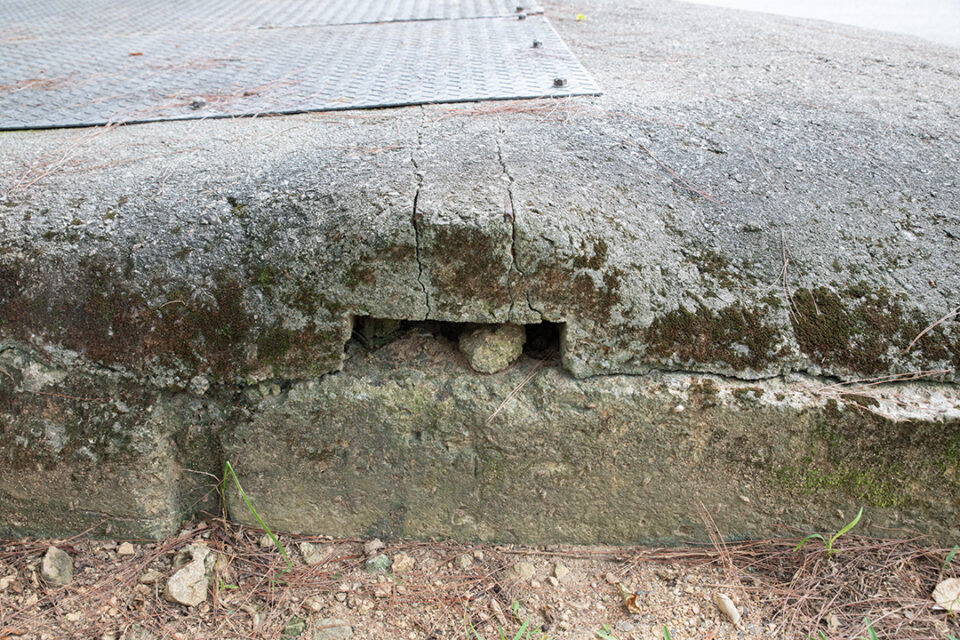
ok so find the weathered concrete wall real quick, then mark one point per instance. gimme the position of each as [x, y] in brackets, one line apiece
[83, 451]
[401, 443]
[754, 198]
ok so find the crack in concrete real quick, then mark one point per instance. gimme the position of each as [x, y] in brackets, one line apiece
[511, 213]
[417, 215]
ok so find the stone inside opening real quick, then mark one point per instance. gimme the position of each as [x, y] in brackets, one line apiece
[489, 347]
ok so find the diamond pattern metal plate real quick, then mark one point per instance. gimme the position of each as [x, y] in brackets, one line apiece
[90, 62]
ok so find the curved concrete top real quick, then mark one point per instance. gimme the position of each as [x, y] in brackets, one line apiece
[753, 195]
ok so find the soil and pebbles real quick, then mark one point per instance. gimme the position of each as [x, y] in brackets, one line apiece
[234, 582]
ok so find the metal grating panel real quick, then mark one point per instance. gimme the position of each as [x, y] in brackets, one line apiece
[138, 64]
[43, 19]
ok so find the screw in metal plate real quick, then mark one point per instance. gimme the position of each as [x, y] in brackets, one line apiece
[521, 16]
[537, 44]
[559, 82]
[519, 9]
[197, 103]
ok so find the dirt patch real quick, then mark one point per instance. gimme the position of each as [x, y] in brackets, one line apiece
[443, 590]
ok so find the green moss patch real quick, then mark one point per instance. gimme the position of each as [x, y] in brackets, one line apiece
[734, 335]
[873, 460]
[866, 330]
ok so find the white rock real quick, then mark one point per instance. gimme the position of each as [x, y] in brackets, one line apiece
[190, 584]
[726, 606]
[561, 572]
[125, 549]
[947, 595]
[57, 567]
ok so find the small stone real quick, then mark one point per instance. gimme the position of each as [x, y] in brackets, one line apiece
[561, 572]
[190, 584]
[745, 499]
[382, 591]
[109, 635]
[535, 584]
[372, 546]
[126, 549]
[464, 562]
[493, 348]
[726, 606]
[314, 603]
[6, 581]
[377, 564]
[833, 622]
[150, 577]
[524, 570]
[57, 567]
[74, 616]
[610, 578]
[553, 581]
[265, 541]
[312, 554]
[946, 595]
[478, 555]
[402, 563]
[331, 629]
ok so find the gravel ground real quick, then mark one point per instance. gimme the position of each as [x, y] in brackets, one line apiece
[442, 590]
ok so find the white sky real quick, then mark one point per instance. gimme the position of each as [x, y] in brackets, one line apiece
[936, 20]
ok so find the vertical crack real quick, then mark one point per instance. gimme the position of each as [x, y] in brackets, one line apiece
[510, 212]
[417, 216]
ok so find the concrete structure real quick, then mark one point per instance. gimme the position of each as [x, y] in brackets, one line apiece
[758, 211]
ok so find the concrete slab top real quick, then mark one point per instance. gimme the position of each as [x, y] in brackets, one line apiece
[754, 195]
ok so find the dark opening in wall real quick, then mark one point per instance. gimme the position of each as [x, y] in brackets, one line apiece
[372, 333]
[542, 340]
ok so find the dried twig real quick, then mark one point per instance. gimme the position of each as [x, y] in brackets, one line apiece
[513, 393]
[949, 315]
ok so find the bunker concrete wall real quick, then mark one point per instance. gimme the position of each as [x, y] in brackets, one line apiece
[778, 209]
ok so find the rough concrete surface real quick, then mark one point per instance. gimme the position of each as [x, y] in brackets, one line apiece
[754, 197]
[409, 442]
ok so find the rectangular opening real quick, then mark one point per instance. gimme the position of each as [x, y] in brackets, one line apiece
[370, 333]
